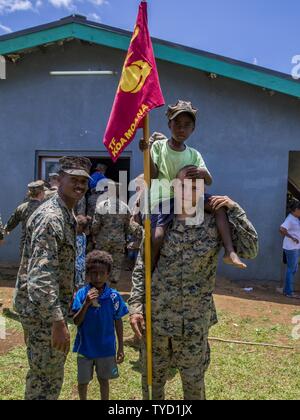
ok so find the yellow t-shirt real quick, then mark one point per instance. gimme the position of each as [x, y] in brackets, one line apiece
[169, 163]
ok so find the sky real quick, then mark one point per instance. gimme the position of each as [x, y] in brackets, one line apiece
[262, 32]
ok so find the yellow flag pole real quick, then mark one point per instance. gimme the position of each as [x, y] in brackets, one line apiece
[148, 277]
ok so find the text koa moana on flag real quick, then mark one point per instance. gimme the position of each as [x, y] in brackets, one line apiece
[138, 92]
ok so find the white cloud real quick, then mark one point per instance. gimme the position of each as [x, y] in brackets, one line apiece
[94, 17]
[98, 2]
[255, 61]
[39, 3]
[5, 29]
[10, 6]
[67, 4]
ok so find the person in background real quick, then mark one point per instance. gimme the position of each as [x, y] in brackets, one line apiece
[112, 223]
[290, 230]
[36, 195]
[98, 175]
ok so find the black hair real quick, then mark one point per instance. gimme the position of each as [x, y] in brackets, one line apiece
[295, 205]
[97, 257]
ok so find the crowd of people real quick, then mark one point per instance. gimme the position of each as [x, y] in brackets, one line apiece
[72, 250]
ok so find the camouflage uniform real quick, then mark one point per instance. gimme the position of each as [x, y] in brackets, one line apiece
[80, 209]
[44, 291]
[183, 309]
[110, 231]
[21, 215]
[92, 200]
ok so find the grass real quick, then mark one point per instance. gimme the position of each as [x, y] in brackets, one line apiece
[236, 372]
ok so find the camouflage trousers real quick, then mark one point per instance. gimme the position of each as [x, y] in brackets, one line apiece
[46, 365]
[117, 252]
[190, 355]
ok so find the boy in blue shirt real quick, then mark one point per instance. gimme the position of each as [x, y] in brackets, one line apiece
[98, 312]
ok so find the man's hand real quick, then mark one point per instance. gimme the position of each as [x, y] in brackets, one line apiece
[61, 337]
[91, 296]
[120, 356]
[137, 323]
[217, 202]
[295, 240]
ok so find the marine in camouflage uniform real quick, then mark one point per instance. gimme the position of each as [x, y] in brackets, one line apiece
[183, 308]
[25, 210]
[110, 227]
[45, 285]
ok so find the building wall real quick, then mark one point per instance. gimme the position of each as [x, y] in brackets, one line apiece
[244, 134]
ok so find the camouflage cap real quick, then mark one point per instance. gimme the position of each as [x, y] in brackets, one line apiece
[76, 165]
[179, 108]
[36, 185]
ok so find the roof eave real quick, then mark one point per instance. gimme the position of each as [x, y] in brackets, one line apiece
[118, 39]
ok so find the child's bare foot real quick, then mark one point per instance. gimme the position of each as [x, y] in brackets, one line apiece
[232, 258]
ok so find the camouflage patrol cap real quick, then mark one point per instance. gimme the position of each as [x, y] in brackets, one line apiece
[76, 165]
[36, 185]
[179, 108]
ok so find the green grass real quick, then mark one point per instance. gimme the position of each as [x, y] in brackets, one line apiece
[236, 372]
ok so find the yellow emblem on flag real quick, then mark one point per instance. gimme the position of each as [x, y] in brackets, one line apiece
[135, 75]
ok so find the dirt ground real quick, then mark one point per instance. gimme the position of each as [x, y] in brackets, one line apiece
[230, 297]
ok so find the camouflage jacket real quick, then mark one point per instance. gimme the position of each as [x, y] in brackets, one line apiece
[80, 209]
[184, 281]
[45, 279]
[110, 227]
[21, 215]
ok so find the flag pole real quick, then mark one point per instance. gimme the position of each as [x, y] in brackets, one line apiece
[148, 276]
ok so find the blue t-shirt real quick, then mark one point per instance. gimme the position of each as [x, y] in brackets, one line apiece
[95, 178]
[96, 335]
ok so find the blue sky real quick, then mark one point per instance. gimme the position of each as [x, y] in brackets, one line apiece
[263, 32]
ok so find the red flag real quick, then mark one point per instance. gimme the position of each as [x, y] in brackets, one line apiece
[138, 92]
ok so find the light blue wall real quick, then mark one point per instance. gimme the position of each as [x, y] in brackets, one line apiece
[244, 134]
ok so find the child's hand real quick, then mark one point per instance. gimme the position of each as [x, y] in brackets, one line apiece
[143, 145]
[92, 295]
[120, 356]
[196, 173]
